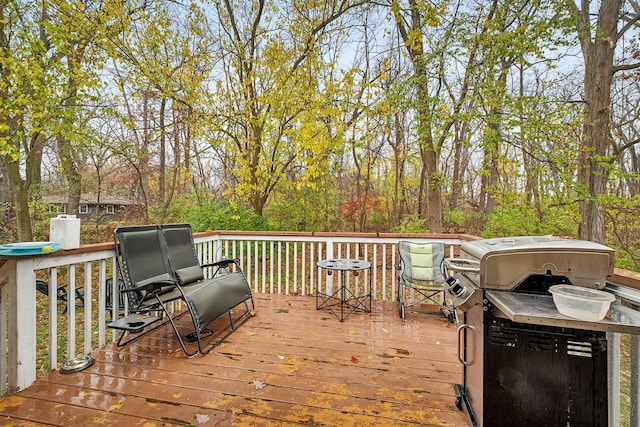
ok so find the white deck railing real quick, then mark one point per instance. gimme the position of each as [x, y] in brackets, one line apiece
[33, 337]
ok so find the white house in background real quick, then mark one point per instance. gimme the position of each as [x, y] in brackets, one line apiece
[90, 206]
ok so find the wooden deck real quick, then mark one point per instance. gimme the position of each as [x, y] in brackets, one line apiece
[290, 365]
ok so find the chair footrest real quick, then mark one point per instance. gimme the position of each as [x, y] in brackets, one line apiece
[134, 323]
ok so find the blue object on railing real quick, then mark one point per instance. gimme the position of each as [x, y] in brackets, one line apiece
[28, 248]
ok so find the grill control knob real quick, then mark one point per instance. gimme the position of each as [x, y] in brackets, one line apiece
[455, 288]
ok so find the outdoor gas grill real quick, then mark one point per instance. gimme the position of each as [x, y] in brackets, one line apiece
[524, 362]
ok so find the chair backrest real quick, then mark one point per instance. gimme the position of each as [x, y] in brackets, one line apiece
[422, 261]
[140, 257]
[181, 254]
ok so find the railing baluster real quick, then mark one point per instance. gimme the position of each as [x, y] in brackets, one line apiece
[271, 288]
[295, 267]
[287, 247]
[279, 265]
[348, 255]
[264, 265]
[613, 363]
[394, 263]
[4, 356]
[384, 272]
[71, 311]
[303, 266]
[374, 264]
[102, 293]
[53, 318]
[88, 299]
[634, 369]
[115, 290]
[312, 269]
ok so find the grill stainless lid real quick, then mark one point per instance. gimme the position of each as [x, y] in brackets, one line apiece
[505, 262]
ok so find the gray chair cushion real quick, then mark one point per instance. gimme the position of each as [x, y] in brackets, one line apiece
[422, 263]
[189, 275]
[213, 297]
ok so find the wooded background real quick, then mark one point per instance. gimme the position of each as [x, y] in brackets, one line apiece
[497, 117]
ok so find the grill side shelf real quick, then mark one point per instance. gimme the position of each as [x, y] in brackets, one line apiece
[540, 310]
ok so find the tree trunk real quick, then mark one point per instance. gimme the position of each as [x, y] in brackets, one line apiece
[598, 57]
[66, 152]
[489, 180]
[20, 192]
[398, 145]
[410, 27]
[433, 189]
[456, 177]
[163, 153]
[633, 186]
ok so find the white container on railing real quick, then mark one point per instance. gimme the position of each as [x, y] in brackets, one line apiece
[65, 230]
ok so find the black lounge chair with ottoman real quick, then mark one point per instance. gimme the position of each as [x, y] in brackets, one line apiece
[159, 265]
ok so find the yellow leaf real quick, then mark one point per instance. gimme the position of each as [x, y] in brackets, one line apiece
[115, 406]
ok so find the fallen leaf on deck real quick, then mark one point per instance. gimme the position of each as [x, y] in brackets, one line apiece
[115, 406]
[202, 418]
[259, 385]
[354, 359]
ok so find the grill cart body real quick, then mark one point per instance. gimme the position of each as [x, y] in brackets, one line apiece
[524, 362]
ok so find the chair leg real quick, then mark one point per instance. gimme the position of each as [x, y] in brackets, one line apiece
[401, 303]
[445, 310]
[63, 296]
[80, 297]
[193, 336]
[448, 311]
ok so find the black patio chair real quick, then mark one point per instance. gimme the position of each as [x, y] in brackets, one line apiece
[42, 286]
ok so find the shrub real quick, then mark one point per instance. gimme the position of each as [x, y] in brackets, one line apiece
[411, 224]
[224, 216]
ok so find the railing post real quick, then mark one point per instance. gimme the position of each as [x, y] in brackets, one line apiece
[21, 324]
[613, 365]
[635, 379]
[329, 255]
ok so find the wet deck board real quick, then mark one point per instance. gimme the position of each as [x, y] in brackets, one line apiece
[290, 365]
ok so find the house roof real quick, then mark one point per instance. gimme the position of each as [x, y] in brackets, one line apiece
[90, 199]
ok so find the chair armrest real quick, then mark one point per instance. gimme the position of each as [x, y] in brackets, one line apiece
[150, 287]
[153, 284]
[222, 263]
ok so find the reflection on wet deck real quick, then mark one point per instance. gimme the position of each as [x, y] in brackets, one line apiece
[290, 365]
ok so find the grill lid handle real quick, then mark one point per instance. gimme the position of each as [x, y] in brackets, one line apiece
[461, 347]
[462, 265]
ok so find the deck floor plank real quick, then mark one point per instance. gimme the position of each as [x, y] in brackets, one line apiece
[290, 365]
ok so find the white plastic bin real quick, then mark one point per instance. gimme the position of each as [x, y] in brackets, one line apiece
[65, 230]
